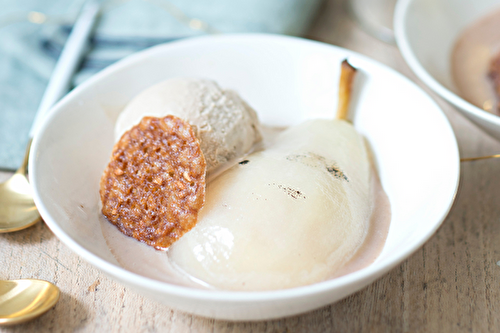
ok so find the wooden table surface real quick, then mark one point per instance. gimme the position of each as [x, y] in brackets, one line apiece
[451, 284]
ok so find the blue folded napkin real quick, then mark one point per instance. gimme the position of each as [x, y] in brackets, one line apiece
[28, 51]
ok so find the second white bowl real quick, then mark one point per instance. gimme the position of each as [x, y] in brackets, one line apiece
[426, 31]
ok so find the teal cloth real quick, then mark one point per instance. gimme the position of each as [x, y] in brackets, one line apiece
[28, 52]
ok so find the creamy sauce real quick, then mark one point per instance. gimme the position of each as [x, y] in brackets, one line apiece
[470, 61]
[140, 258]
[377, 232]
[146, 261]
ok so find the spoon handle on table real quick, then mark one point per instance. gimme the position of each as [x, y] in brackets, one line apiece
[68, 61]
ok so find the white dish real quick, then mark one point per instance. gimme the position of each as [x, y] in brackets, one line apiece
[287, 80]
[426, 31]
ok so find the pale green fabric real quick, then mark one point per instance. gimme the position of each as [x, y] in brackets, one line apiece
[28, 51]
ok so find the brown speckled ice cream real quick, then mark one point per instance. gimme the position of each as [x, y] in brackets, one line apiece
[226, 126]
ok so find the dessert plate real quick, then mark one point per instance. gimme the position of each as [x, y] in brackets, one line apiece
[286, 80]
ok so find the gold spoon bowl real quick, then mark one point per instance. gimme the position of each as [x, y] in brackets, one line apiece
[26, 299]
[17, 208]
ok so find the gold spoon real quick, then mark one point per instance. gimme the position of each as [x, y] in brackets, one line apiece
[468, 159]
[17, 208]
[23, 300]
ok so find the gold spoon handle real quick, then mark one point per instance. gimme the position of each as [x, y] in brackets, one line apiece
[23, 169]
[468, 159]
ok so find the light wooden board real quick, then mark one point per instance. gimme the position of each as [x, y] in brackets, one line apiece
[449, 285]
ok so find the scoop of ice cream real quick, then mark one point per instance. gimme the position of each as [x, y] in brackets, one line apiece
[226, 126]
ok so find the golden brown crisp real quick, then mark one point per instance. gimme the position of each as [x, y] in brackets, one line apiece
[154, 185]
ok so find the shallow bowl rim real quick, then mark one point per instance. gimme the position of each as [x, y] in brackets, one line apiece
[357, 278]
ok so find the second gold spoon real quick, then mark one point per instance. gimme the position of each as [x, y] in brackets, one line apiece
[23, 300]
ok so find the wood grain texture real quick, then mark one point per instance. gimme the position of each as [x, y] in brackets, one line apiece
[450, 285]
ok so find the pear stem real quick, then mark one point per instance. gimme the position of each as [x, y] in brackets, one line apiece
[347, 74]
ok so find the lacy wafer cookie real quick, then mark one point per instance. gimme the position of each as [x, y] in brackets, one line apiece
[154, 185]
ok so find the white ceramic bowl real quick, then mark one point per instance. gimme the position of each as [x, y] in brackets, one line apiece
[287, 80]
[426, 31]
